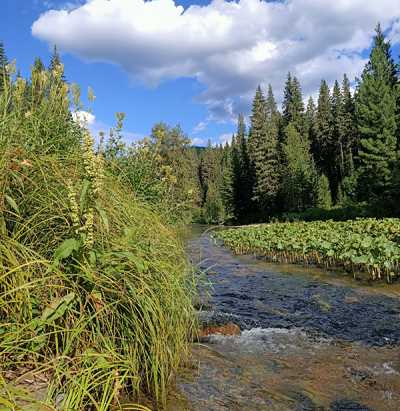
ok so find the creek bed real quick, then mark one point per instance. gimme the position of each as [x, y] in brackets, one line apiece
[310, 340]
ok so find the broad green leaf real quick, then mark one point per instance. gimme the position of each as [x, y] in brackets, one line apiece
[66, 249]
[57, 308]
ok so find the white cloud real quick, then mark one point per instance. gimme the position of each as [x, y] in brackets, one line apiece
[228, 46]
[201, 126]
[84, 118]
[197, 141]
[225, 138]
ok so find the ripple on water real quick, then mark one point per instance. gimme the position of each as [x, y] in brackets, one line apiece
[306, 343]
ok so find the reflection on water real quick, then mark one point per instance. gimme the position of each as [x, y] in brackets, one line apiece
[310, 341]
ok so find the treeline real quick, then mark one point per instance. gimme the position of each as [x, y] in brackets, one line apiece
[339, 151]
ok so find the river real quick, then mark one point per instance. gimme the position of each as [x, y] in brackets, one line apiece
[310, 340]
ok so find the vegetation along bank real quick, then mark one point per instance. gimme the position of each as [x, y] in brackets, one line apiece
[95, 289]
[368, 245]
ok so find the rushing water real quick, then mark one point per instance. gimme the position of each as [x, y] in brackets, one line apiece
[310, 340]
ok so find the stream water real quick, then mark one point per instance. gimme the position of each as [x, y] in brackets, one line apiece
[310, 340]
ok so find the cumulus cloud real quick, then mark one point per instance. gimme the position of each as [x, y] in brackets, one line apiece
[84, 118]
[229, 46]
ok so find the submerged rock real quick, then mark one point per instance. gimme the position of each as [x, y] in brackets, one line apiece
[227, 329]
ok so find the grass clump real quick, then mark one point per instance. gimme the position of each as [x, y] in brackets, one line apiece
[95, 292]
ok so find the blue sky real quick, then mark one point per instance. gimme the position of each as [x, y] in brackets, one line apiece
[196, 66]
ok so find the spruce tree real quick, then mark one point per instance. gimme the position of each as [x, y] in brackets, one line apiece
[264, 152]
[349, 127]
[300, 179]
[293, 106]
[322, 146]
[272, 108]
[338, 139]
[242, 178]
[309, 120]
[376, 121]
[226, 183]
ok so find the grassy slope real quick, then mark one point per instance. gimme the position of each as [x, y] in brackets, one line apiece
[95, 291]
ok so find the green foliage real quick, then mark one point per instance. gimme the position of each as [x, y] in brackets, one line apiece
[376, 119]
[293, 106]
[242, 174]
[299, 176]
[92, 278]
[324, 199]
[263, 150]
[213, 209]
[216, 184]
[361, 245]
[161, 170]
[322, 145]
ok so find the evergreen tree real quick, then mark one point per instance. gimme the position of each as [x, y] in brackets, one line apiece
[300, 179]
[376, 120]
[264, 152]
[338, 139]
[322, 146]
[349, 128]
[324, 198]
[309, 119]
[293, 106]
[3, 67]
[272, 108]
[242, 178]
[226, 183]
[213, 211]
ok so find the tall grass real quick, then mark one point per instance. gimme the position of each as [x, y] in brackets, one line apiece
[95, 291]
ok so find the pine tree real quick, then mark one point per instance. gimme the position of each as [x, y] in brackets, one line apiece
[338, 140]
[300, 179]
[242, 178]
[309, 119]
[350, 142]
[322, 146]
[272, 108]
[264, 152]
[226, 183]
[376, 120]
[293, 106]
[3, 67]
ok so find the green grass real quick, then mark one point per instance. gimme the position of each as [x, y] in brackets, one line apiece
[95, 289]
[368, 245]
